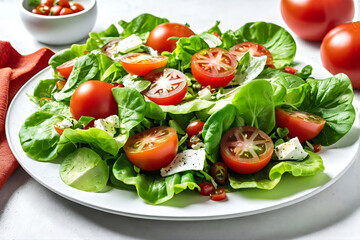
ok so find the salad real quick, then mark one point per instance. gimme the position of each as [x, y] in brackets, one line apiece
[158, 109]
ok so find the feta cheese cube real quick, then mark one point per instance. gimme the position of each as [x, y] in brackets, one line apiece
[291, 150]
[65, 124]
[187, 160]
[129, 44]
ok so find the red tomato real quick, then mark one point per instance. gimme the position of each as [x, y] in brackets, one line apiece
[219, 173]
[340, 51]
[142, 63]
[158, 38]
[303, 125]
[66, 68]
[312, 19]
[246, 149]
[58, 129]
[254, 49]
[66, 11]
[60, 84]
[153, 148]
[194, 127]
[218, 194]
[168, 86]
[317, 148]
[48, 3]
[213, 66]
[93, 99]
[62, 3]
[206, 188]
[55, 10]
[290, 70]
[116, 84]
[193, 141]
[110, 49]
[41, 10]
[77, 7]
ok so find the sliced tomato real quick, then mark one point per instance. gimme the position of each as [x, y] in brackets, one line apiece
[153, 148]
[168, 86]
[58, 129]
[142, 63]
[290, 70]
[254, 49]
[66, 11]
[303, 125]
[246, 149]
[60, 84]
[218, 194]
[77, 7]
[66, 68]
[219, 173]
[213, 67]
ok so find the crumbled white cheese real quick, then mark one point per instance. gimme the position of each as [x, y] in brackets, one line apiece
[153, 52]
[205, 94]
[65, 124]
[198, 146]
[129, 44]
[291, 150]
[108, 124]
[187, 160]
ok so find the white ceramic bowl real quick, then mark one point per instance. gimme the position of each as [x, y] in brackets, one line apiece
[60, 30]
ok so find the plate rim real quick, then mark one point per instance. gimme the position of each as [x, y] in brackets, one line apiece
[173, 218]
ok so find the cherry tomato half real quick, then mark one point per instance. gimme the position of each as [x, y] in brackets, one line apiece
[312, 19]
[290, 70]
[194, 127]
[219, 173]
[48, 3]
[303, 125]
[213, 66]
[77, 7]
[93, 99]
[153, 148]
[168, 86]
[218, 194]
[66, 11]
[193, 141]
[340, 51]
[60, 84]
[158, 37]
[41, 10]
[58, 129]
[254, 49]
[55, 10]
[142, 63]
[62, 3]
[110, 49]
[206, 188]
[246, 149]
[66, 68]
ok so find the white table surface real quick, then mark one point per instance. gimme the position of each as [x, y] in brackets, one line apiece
[30, 211]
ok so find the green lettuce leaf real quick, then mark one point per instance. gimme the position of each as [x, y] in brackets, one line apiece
[187, 107]
[85, 68]
[98, 140]
[255, 104]
[131, 106]
[330, 99]
[141, 25]
[271, 175]
[38, 136]
[67, 54]
[280, 43]
[153, 189]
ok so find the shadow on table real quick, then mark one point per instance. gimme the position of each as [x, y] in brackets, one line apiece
[10, 187]
[325, 209]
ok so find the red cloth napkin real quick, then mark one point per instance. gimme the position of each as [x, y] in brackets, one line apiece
[15, 70]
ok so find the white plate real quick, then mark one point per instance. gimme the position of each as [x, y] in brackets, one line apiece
[187, 205]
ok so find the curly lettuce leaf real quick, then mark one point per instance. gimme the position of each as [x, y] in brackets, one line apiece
[271, 175]
[153, 189]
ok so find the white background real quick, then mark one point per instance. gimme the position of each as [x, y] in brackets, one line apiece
[28, 210]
